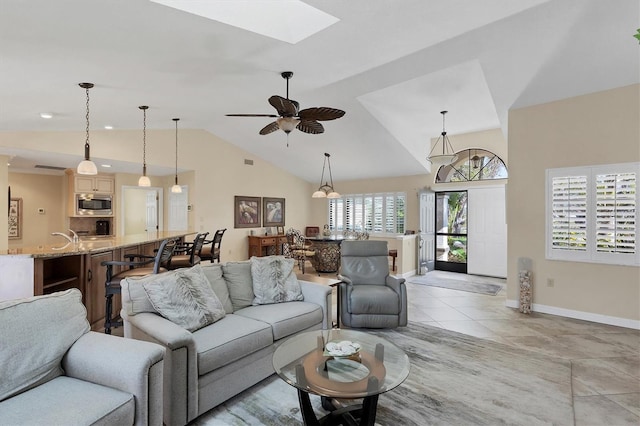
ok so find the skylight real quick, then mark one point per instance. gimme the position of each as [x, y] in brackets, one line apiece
[286, 20]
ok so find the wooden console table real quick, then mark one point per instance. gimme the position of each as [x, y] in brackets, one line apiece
[265, 245]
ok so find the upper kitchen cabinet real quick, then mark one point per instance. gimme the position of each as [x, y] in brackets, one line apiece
[99, 184]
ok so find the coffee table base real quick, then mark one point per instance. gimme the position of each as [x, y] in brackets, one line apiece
[358, 414]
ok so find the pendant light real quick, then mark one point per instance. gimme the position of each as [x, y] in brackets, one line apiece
[86, 166]
[325, 190]
[448, 156]
[144, 180]
[176, 189]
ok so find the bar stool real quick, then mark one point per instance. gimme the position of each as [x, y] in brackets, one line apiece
[187, 254]
[160, 261]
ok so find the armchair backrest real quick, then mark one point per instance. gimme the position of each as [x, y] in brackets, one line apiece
[365, 262]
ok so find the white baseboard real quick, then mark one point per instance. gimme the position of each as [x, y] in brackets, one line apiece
[587, 316]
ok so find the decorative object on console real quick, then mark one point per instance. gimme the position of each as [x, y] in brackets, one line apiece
[246, 213]
[448, 156]
[176, 189]
[15, 218]
[273, 211]
[144, 179]
[86, 166]
[290, 117]
[326, 190]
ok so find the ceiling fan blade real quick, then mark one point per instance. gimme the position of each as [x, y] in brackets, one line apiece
[320, 113]
[310, 126]
[269, 128]
[285, 107]
[252, 115]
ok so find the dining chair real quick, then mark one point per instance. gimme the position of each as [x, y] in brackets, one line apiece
[187, 254]
[211, 248]
[298, 248]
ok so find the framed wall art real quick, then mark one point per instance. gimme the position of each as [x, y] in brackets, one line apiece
[15, 218]
[272, 211]
[246, 212]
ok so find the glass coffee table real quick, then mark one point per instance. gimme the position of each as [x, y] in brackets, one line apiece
[340, 365]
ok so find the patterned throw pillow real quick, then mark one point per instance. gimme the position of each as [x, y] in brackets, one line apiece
[187, 300]
[274, 280]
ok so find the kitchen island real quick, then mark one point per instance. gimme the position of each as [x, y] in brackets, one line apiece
[44, 269]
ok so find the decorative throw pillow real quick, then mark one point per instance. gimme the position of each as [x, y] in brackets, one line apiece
[238, 278]
[36, 333]
[274, 280]
[219, 285]
[186, 300]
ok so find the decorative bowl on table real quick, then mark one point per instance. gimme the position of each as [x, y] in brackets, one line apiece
[342, 349]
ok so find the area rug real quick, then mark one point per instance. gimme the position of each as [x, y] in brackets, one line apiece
[455, 379]
[477, 285]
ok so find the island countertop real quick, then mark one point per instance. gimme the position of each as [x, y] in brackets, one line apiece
[89, 245]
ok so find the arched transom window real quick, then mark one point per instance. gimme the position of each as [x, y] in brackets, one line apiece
[473, 164]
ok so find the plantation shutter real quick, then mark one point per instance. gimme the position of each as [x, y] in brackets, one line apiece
[615, 213]
[569, 211]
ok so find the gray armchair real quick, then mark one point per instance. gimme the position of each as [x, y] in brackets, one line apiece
[369, 296]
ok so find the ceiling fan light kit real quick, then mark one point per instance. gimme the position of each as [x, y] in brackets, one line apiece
[290, 116]
[326, 190]
[448, 156]
[86, 166]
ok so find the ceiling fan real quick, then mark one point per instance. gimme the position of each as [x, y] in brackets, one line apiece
[290, 116]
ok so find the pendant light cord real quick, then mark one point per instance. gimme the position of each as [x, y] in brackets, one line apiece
[176, 120]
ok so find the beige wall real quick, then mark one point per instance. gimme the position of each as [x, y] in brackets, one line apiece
[39, 191]
[600, 128]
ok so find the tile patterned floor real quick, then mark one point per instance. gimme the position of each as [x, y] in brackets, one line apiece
[605, 359]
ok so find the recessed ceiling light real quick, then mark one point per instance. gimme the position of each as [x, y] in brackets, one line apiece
[46, 115]
[108, 127]
[286, 20]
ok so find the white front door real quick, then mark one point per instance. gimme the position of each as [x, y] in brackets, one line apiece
[487, 231]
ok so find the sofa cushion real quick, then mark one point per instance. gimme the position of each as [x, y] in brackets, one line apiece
[274, 280]
[185, 298]
[219, 285]
[229, 339]
[238, 278]
[68, 401]
[36, 333]
[286, 319]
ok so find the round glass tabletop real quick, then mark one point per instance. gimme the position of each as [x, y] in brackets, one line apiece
[340, 363]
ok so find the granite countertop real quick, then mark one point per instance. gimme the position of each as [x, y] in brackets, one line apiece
[88, 245]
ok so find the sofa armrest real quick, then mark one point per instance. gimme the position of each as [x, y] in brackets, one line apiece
[128, 365]
[180, 363]
[321, 295]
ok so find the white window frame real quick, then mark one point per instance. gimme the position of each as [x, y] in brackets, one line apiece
[591, 254]
[356, 205]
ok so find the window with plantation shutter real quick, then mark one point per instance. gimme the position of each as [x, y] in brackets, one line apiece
[592, 214]
[381, 214]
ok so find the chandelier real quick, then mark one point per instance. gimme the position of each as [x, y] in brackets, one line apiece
[326, 190]
[448, 156]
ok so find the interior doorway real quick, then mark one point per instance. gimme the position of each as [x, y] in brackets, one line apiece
[141, 210]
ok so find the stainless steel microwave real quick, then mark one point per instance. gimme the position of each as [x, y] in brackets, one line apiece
[94, 205]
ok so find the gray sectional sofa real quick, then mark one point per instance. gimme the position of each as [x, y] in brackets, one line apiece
[54, 371]
[230, 351]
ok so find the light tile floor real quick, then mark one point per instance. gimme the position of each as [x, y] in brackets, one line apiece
[605, 359]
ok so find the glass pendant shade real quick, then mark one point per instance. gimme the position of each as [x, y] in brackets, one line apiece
[443, 160]
[86, 166]
[287, 124]
[325, 190]
[144, 181]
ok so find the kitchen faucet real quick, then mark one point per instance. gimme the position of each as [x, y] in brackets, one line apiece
[73, 240]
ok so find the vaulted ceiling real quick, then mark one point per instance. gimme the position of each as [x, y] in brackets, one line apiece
[391, 65]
